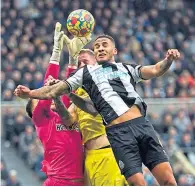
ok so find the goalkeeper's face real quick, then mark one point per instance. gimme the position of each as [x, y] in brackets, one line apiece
[86, 59]
[104, 50]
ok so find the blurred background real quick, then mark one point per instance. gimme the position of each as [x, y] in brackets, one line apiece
[143, 30]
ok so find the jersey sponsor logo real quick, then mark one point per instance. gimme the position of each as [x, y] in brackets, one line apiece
[61, 127]
[107, 73]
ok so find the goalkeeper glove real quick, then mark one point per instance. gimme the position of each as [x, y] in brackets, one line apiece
[74, 47]
[58, 43]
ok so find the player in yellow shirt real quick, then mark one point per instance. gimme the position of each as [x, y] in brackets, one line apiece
[101, 168]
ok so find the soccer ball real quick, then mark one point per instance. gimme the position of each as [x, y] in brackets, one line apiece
[80, 23]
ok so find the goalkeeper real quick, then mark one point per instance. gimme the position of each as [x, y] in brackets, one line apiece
[63, 149]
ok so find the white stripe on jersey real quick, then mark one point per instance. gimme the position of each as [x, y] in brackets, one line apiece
[135, 72]
[129, 87]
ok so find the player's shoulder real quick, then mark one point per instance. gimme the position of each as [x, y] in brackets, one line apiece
[78, 70]
[129, 64]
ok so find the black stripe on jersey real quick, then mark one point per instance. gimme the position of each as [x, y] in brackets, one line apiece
[99, 102]
[70, 87]
[118, 87]
[132, 79]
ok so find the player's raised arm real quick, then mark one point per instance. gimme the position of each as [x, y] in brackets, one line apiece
[53, 67]
[149, 72]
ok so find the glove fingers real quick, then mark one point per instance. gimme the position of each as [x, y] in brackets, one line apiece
[85, 40]
[89, 37]
[61, 35]
[66, 39]
[58, 27]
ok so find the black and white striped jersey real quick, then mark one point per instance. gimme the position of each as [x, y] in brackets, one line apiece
[111, 87]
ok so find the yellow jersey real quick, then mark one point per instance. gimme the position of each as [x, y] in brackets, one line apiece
[90, 126]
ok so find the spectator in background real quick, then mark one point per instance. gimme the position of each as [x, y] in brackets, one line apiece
[172, 133]
[34, 152]
[182, 121]
[4, 173]
[36, 157]
[19, 126]
[167, 122]
[187, 144]
[12, 180]
[8, 125]
[26, 140]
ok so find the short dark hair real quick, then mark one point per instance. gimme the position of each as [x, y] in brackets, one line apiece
[106, 36]
[29, 108]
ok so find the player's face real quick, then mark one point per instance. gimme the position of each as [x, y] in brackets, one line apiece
[104, 50]
[86, 59]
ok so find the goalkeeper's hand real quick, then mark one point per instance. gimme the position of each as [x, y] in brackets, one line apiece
[58, 43]
[74, 47]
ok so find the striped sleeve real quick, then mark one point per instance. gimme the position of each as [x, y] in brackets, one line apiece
[135, 72]
[75, 80]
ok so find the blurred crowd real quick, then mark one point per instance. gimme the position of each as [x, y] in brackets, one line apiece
[143, 30]
[19, 133]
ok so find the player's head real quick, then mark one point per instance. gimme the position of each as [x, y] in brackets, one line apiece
[31, 105]
[86, 57]
[104, 48]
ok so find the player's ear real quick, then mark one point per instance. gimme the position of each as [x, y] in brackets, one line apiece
[29, 108]
[115, 51]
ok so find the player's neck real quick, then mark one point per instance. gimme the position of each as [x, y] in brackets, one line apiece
[108, 61]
